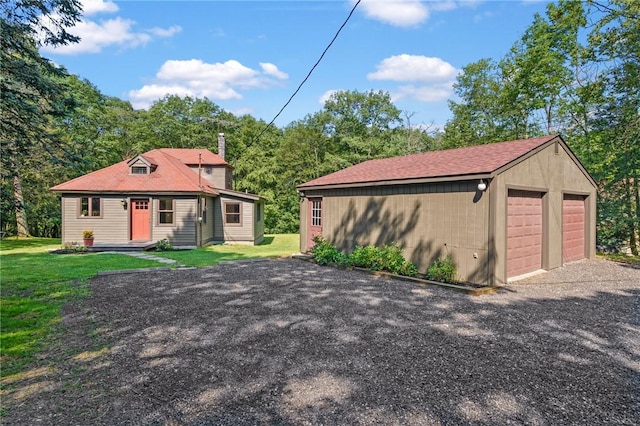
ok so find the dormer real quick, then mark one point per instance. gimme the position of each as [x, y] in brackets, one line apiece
[141, 166]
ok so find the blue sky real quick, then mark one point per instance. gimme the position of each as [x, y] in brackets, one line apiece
[250, 56]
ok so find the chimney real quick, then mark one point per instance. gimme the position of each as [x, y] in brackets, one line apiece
[221, 145]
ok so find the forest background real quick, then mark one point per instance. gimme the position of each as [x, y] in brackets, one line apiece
[575, 71]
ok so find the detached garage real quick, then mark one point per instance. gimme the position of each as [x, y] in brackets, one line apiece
[502, 210]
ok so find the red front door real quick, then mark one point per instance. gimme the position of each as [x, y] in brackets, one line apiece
[140, 220]
[315, 219]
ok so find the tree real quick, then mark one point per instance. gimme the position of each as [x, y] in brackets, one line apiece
[615, 41]
[482, 115]
[359, 122]
[31, 92]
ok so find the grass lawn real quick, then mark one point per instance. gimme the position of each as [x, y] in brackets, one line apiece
[276, 245]
[34, 286]
[621, 258]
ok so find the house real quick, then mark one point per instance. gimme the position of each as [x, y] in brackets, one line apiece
[502, 210]
[183, 195]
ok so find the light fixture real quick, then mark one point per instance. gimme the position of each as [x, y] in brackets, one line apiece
[124, 203]
[482, 185]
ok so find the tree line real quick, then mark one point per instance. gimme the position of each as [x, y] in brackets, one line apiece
[575, 71]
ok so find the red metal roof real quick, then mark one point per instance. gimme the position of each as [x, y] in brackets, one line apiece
[470, 160]
[170, 175]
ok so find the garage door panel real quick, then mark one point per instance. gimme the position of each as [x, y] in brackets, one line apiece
[524, 232]
[573, 227]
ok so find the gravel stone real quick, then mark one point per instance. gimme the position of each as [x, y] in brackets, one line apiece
[287, 342]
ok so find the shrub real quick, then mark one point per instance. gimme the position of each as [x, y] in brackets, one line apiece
[164, 245]
[87, 234]
[388, 258]
[443, 270]
[73, 247]
[366, 257]
[326, 253]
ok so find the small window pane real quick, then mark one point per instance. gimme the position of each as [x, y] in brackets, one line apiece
[84, 206]
[165, 211]
[95, 206]
[137, 170]
[316, 213]
[232, 213]
[166, 217]
[233, 208]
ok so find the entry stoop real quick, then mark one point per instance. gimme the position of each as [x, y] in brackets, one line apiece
[99, 247]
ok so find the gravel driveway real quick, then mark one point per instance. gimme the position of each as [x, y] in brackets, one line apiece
[286, 342]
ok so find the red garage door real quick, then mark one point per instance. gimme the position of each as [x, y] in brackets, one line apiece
[524, 232]
[572, 227]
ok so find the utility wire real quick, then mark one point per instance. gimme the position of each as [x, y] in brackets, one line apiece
[309, 74]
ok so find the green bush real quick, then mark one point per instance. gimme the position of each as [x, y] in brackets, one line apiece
[325, 253]
[164, 245]
[443, 270]
[366, 257]
[388, 258]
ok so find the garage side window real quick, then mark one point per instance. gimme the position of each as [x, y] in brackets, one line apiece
[316, 213]
[90, 207]
[166, 211]
[232, 214]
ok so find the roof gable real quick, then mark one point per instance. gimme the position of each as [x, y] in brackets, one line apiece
[451, 163]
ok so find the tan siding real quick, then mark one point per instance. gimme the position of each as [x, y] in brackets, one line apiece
[207, 225]
[218, 233]
[553, 174]
[235, 234]
[183, 232]
[112, 226]
[218, 176]
[429, 221]
[258, 226]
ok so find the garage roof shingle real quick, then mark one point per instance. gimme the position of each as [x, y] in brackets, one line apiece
[470, 160]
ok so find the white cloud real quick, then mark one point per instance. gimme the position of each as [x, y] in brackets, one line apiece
[273, 71]
[401, 13]
[413, 68]
[326, 95]
[434, 77]
[166, 32]
[431, 93]
[217, 81]
[443, 6]
[96, 35]
[91, 7]
[410, 13]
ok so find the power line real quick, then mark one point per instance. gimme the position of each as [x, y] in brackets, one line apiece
[309, 74]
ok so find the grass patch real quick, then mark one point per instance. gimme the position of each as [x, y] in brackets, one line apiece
[35, 285]
[276, 245]
[621, 258]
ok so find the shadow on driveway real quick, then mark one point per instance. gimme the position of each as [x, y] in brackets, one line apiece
[287, 342]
